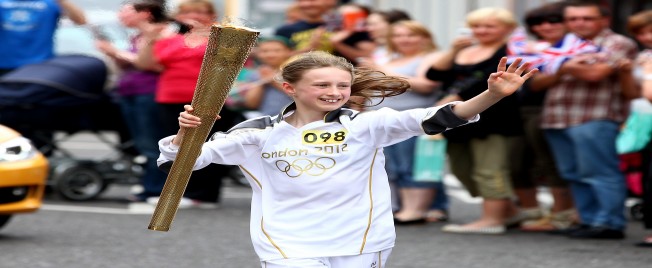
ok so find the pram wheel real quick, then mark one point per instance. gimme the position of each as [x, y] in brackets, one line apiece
[79, 183]
[4, 219]
[636, 211]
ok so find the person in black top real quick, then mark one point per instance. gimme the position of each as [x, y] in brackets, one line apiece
[478, 153]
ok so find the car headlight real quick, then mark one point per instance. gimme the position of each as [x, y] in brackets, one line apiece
[19, 148]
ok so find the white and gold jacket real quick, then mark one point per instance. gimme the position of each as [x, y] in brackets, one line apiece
[320, 190]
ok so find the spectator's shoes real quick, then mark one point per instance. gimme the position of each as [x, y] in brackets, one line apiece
[570, 230]
[523, 215]
[597, 233]
[461, 229]
[418, 221]
[555, 221]
[437, 216]
[646, 243]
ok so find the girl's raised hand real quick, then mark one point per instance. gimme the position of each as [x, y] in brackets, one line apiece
[507, 80]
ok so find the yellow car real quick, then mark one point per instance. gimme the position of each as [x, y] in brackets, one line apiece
[23, 175]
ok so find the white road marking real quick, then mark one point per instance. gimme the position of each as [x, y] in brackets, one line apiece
[132, 208]
[88, 209]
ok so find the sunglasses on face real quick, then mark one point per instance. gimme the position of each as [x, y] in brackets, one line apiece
[540, 20]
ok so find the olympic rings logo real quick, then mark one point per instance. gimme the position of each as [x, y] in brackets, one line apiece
[306, 166]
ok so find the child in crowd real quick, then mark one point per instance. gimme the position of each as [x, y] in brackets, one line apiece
[320, 192]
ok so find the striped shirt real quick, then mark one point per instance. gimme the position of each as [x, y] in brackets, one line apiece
[572, 101]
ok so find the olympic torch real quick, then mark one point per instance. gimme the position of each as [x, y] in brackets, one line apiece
[228, 48]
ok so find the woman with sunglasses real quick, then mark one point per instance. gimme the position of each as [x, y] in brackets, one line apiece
[531, 157]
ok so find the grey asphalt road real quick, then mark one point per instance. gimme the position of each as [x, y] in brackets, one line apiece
[108, 232]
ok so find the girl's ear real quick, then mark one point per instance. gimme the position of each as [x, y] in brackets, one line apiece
[288, 89]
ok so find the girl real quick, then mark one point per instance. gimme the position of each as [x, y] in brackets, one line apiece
[178, 58]
[320, 191]
[378, 23]
[640, 26]
[531, 160]
[136, 90]
[414, 50]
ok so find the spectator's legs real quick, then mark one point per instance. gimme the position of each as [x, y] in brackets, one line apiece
[415, 197]
[490, 174]
[439, 208]
[566, 157]
[587, 158]
[141, 118]
[598, 166]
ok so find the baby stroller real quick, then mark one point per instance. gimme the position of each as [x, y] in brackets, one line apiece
[634, 145]
[64, 96]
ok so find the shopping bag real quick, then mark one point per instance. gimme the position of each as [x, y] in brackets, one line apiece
[429, 158]
[637, 131]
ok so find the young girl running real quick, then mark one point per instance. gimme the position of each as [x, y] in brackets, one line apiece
[320, 192]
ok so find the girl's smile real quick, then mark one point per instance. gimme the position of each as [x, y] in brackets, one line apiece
[321, 90]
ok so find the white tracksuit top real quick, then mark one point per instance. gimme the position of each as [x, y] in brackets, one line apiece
[319, 190]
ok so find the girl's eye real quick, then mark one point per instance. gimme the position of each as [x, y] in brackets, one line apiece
[322, 85]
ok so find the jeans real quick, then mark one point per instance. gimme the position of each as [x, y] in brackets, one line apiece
[140, 115]
[441, 198]
[586, 156]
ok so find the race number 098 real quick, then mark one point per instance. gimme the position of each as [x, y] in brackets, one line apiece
[323, 137]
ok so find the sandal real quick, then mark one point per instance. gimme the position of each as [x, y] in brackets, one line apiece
[461, 229]
[556, 221]
[646, 243]
[436, 216]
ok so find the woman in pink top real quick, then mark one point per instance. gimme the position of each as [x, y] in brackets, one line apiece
[178, 57]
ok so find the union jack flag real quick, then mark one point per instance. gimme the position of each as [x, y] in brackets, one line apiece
[547, 57]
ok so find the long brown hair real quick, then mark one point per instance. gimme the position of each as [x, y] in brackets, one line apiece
[638, 21]
[366, 83]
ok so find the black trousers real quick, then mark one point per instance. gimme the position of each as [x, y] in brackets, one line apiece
[647, 186]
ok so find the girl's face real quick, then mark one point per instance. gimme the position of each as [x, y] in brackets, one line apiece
[644, 36]
[321, 90]
[377, 26]
[130, 18]
[407, 41]
[490, 30]
[272, 53]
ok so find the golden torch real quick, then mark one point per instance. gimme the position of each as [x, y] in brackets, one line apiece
[228, 48]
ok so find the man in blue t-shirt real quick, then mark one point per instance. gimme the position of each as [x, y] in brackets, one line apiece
[321, 29]
[27, 30]
[310, 33]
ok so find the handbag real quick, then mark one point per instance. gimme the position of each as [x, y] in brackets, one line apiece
[637, 131]
[429, 158]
